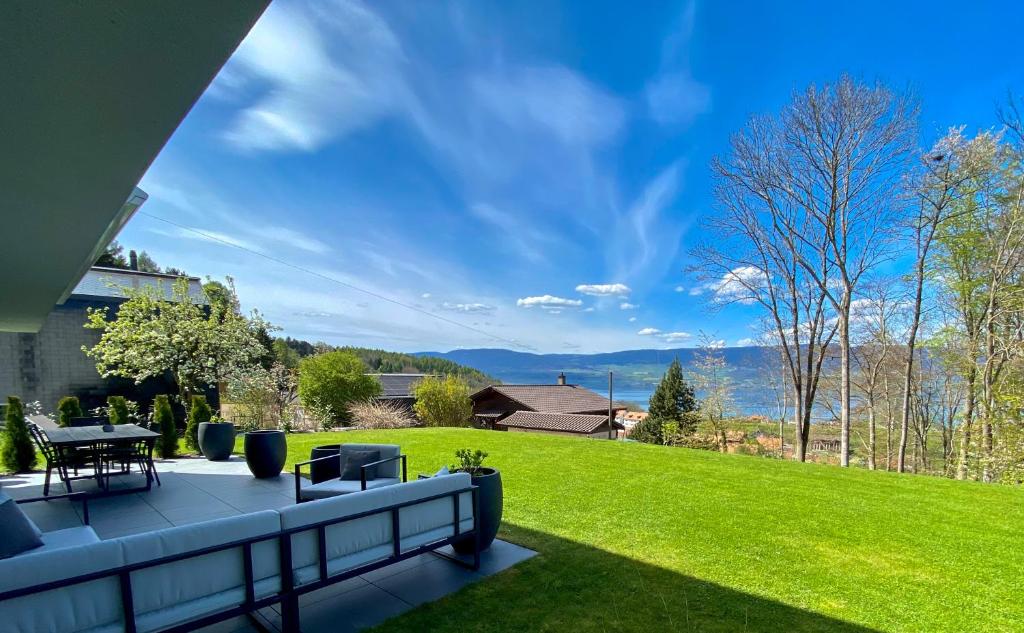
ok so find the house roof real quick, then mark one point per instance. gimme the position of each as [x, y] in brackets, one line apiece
[550, 398]
[398, 385]
[565, 422]
[110, 282]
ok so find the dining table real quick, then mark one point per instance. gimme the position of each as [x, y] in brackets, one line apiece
[97, 439]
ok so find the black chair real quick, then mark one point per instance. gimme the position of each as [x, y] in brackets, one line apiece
[123, 455]
[62, 460]
[89, 420]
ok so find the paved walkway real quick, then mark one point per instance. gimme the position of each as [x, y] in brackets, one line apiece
[196, 490]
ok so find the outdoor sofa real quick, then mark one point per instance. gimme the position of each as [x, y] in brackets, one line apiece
[183, 578]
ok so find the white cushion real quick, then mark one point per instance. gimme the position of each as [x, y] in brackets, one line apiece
[335, 487]
[369, 538]
[70, 537]
[178, 591]
[389, 470]
[82, 607]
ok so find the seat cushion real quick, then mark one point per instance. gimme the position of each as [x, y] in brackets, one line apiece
[70, 537]
[89, 606]
[369, 538]
[18, 534]
[352, 462]
[172, 588]
[336, 487]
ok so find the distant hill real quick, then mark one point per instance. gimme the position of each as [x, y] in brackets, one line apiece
[637, 372]
[384, 362]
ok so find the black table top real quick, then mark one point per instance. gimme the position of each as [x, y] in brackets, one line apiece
[92, 434]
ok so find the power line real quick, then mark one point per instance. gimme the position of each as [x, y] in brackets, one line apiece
[331, 279]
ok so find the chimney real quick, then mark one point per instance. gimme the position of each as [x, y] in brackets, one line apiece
[561, 378]
[133, 260]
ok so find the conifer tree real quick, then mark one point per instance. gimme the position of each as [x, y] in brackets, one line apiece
[19, 455]
[163, 419]
[673, 397]
[199, 412]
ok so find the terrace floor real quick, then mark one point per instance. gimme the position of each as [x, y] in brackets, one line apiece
[196, 490]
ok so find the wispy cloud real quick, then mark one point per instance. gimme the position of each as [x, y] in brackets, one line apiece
[674, 97]
[604, 290]
[467, 307]
[625, 305]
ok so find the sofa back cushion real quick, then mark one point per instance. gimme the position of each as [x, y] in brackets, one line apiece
[18, 533]
[371, 532]
[191, 579]
[83, 607]
[384, 471]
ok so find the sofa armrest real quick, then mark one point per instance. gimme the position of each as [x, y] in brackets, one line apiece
[362, 469]
[83, 496]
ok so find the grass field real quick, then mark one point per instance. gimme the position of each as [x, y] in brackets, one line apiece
[645, 538]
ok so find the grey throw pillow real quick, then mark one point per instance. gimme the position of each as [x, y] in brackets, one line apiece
[17, 532]
[353, 460]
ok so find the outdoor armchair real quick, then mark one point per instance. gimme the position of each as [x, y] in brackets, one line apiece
[388, 473]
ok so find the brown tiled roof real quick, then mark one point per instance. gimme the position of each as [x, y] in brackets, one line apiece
[552, 398]
[566, 422]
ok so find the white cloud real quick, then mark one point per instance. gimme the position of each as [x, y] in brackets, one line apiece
[739, 285]
[719, 344]
[674, 97]
[425, 295]
[632, 319]
[588, 309]
[679, 289]
[466, 307]
[746, 342]
[548, 302]
[625, 305]
[675, 337]
[649, 331]
[603, 290]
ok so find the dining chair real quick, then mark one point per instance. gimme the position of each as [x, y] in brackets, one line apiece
[124, 454]
[60, 460]
[90, 420]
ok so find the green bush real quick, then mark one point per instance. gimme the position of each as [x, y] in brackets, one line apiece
[333, 381]
[650, 430]
[199, 412]
[19, 455]
[68, 408]
[117, 409]
[163, 419]
[443, 402]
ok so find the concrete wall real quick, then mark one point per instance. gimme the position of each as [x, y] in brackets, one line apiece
[51, 364]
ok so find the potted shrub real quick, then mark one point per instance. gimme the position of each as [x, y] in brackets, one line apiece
[68, 407]
[488, 482]
[198, 412]
[216, 439]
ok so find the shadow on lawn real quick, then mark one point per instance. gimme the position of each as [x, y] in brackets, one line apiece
[571, 586]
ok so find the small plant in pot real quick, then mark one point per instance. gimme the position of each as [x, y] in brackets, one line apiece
[489, 490]
[216, 438]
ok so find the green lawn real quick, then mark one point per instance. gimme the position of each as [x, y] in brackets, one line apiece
[648, 538]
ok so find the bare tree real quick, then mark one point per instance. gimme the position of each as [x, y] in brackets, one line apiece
[873, 338]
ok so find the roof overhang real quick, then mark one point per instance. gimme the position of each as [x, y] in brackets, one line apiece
[93, 91]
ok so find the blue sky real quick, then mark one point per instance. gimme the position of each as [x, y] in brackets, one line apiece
[534, 171]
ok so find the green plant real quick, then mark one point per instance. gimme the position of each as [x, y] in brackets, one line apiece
[200, 411]
[68, 407]
[335, 379]
[443, 401]
[19, 455]
[650, 430]
[163, 419]
[117, 410]
[469, 461]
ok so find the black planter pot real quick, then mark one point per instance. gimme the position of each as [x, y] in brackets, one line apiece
[265, 452]
[216, 440]
[491, 504]
[328, 468]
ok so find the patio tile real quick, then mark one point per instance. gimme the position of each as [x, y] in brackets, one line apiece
[382, 573]
[185, 516]
[428, 582]
[117, 531]
[353, 610]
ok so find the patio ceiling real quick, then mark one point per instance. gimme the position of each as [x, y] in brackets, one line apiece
[92, 91]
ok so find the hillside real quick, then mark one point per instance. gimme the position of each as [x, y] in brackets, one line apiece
[634, 537]
[381, 361]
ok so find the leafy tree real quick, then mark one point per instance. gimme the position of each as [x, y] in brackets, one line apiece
[147, 264]
[117, 409]
[163, 419]
[267, 358]
[152, 336]
[19, 455]
[335, 380]
[673, 397]
[221, 297]
[200, 411]
[113, 256]
[650, 430]
[443, 401]
[286, 355]
[68, 407]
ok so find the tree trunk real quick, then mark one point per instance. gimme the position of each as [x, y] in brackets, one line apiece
[800, 436]
[871, 432]
[844, 384]
[911, 343]
[965, 439]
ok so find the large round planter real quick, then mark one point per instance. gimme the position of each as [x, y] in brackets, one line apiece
[265, 452]
[216, 440]
[491, 504]
[328, 468]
